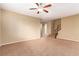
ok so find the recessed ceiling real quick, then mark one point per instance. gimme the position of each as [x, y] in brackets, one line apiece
[58, 10]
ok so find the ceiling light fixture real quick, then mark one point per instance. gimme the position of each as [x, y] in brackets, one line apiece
[40, 9]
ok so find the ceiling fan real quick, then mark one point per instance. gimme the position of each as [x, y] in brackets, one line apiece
[41, 8]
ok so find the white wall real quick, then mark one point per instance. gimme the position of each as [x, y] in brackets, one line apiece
[70, 28]
[17, 27]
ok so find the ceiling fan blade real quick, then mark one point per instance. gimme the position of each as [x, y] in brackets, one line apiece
[38, 12]
[45, 10]
[47, 6]
[33, 8]
[37, 4]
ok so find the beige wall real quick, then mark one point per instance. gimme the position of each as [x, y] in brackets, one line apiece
[17, 27]
[49, 27]
[70, 28]
[0, 26]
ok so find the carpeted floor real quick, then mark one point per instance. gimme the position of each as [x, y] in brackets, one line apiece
[41, 47]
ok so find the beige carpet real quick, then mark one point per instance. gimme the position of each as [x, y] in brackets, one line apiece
[41, 47]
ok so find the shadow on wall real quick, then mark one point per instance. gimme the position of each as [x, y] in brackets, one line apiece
[54, 27]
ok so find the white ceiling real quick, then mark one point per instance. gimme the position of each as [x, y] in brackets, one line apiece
[57, 10]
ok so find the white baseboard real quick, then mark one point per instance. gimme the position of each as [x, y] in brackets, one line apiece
[15, 42]
[11, 43]
[68, 39]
